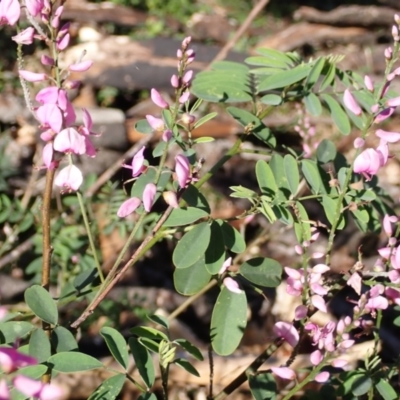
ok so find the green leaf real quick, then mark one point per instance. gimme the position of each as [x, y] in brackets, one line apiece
[204, 139]
[143, 126]
[149, 333]
[263, 386]
[205, 119]
[312, 176]
[184, 216]
[73, 361]
[143, 360]
[190, 348]
[326, 151]
[215, 254]
[85, 278]
[187, 366]
[303, 228]
[361, 385]
[241, 192]
[271, 99]
[329, 77]
[386, 390]
[284, 78]
[117, 345]
[278, 56]
[313, 104]
[63, 340]
[267, 210]
[39, 345]
[262, 271]
[283, 214]
[330, 211]
[194, 198]
[13, 330]
[315, 73]
[159, 320]
[228, 321]
[233, 240]
[227, 81]
[109, 389]
[189, 281]
[291, 172]
[149, 344]
[253, 124]
[339, 117]
[278, 169]
[41, 303]
[265, 179]
[192, 246]
[33, 371]
[266, 62]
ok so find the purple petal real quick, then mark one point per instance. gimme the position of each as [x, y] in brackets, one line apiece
[351, 103]
[158, 99]
[284, 372]
[149, 193]
[69, 178]
[318, 302]
[69, 140]
[182, 169]
[128, 207]
[287, 331]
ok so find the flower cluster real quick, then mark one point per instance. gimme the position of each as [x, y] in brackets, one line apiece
[54, 112]
[183, 173]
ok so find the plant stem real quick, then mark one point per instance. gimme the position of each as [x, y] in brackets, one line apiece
[90, 236]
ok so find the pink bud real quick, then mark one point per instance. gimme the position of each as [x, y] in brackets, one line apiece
[47, 155]
[322, 377]
[298, 249]
[338, 363]
[355, 282]
[394, 102]
[174, 81]
[232, 285]
[316, 357]
[182, 169]
[158, 99]
[171, 199]
[167, 135]
[81, 66]
[137, 164]
[46, 60]
[156, 123]
[149, 193]
[319, 303]
[186, 41]
[227, 263]
[350, 103]
[179, 54]
[55, 22]
[384, 114]
[395, 33]
[63, 42]
[128, 207]
[187, 77]
[358, 143]
[184, 97]
[32, 76]
[284, 372]
[368, 83]
[397, 19]
[388, 220]
[388, 53]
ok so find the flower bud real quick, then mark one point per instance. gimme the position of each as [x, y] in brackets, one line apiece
[351, 103]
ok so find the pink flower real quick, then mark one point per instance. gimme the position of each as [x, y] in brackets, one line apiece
[81, 66]
[182, 169]
[70, 141]
[63, 41]
[55, 22]
[300, 312]
[32, 388]
[137, 165]
[231, 285]
[10, 12]
[187, 77]
[34, 6]
[86, 131]
[369, 162]
[358, 143]
[227, 263]
[11, 359]
[4, 392]
[351, 103]
[316, 357]
[174, 81]
[390, 137]
[25, 36]
[158, 99]
[149, 193]
[394, 102]
[32, 76]
[388, 220]
[47, 156]
[318, 302]
[355, 282]
[128, 207]
[69, 178]
[184, 97]
[50, 116]
[384, 114]
[284, 372]
[46, 60]
[287, 331]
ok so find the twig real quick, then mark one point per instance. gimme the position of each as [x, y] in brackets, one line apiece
[243, 28]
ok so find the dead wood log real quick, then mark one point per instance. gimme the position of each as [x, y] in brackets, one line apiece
[304, 33]
[367, 16]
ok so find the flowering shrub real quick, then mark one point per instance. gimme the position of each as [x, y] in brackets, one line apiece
[209, 252]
